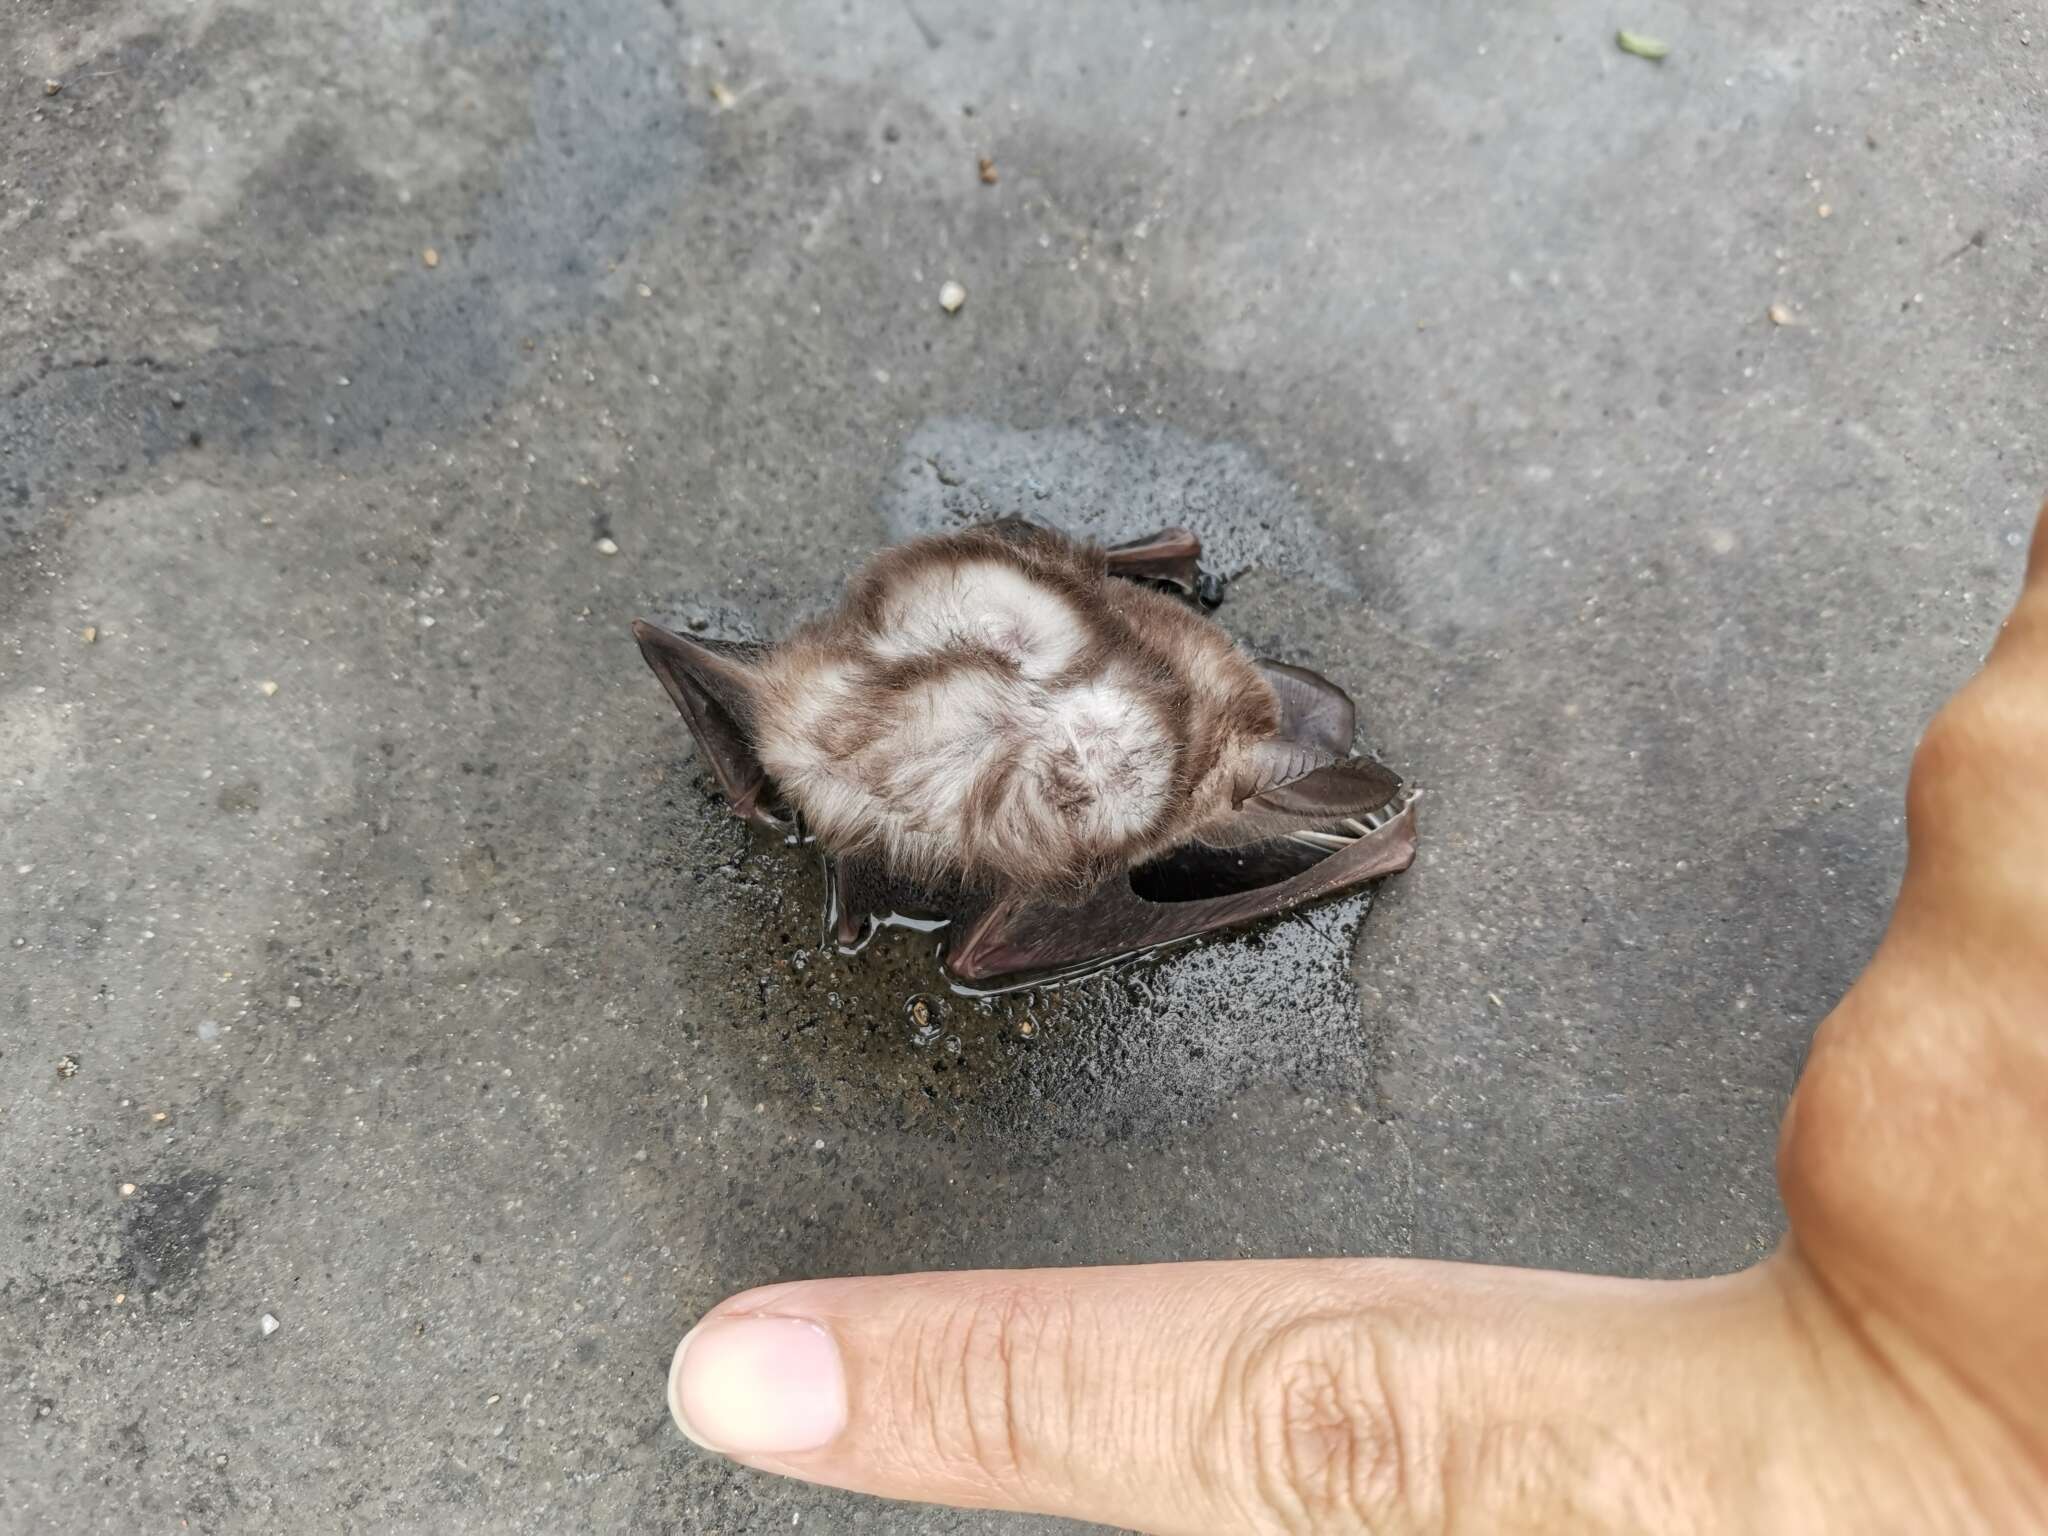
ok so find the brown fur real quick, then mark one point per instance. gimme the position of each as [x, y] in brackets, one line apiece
[1052, 724]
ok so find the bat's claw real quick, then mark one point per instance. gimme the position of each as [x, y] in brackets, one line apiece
[1341, 834]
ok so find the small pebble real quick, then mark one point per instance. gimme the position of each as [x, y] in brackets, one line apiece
[268, 688]
[120, 1298]
[951, 296]
[491, 1401]
[646, 292]
[607, 546]
[987, 168]
[293, 1002]
[268, 1324]
[90, 633]
[1780, 315]
[127, 1190]
[177, 401]
[158, 1118]
[1827, 210]
[67, 1066]
[430, 257]
[722, 93]
[52, 87]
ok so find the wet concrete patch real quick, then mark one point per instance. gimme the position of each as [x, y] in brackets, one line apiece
[170, 1230]
[878, 1038]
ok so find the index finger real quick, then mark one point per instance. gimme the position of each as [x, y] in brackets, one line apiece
[1326, 1395]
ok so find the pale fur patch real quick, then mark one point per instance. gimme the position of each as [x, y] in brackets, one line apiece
[986, 604]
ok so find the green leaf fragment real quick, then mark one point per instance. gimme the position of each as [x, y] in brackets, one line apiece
[1642, 47]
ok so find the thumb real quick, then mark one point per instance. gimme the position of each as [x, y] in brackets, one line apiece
[1382, 1396]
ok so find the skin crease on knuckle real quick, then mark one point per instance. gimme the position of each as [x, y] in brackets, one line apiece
[989, 1395]
[1343, 1422]
[1332, 1428]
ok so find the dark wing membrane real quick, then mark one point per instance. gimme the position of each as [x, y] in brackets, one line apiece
[1019, 937]
[1172, 556]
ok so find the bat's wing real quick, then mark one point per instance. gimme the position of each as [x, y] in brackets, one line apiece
[1192, 891]
[712, 684]
[1172, 555]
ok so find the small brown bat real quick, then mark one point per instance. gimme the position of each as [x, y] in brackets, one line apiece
[1021, 735]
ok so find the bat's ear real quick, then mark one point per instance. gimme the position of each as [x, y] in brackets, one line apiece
[1313, 710]
[715, 686]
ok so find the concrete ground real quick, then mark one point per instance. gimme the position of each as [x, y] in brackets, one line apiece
[372, 952]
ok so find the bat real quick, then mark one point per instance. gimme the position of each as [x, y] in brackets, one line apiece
[1044, 746]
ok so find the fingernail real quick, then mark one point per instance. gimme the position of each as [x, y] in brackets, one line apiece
[758, 1386]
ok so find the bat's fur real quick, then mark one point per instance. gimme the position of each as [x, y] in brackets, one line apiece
[992, 706]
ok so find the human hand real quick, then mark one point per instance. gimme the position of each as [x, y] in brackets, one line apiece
[1886, 1369]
